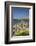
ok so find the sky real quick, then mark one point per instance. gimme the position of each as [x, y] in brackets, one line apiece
[19, 13]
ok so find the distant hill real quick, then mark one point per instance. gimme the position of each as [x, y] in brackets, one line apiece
[15, 21]
[26, 19]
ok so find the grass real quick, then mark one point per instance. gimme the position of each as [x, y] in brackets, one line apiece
[22, 33]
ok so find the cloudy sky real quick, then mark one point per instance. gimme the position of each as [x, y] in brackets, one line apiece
[20, 12]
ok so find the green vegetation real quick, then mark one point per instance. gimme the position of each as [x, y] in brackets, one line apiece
[22, 33]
